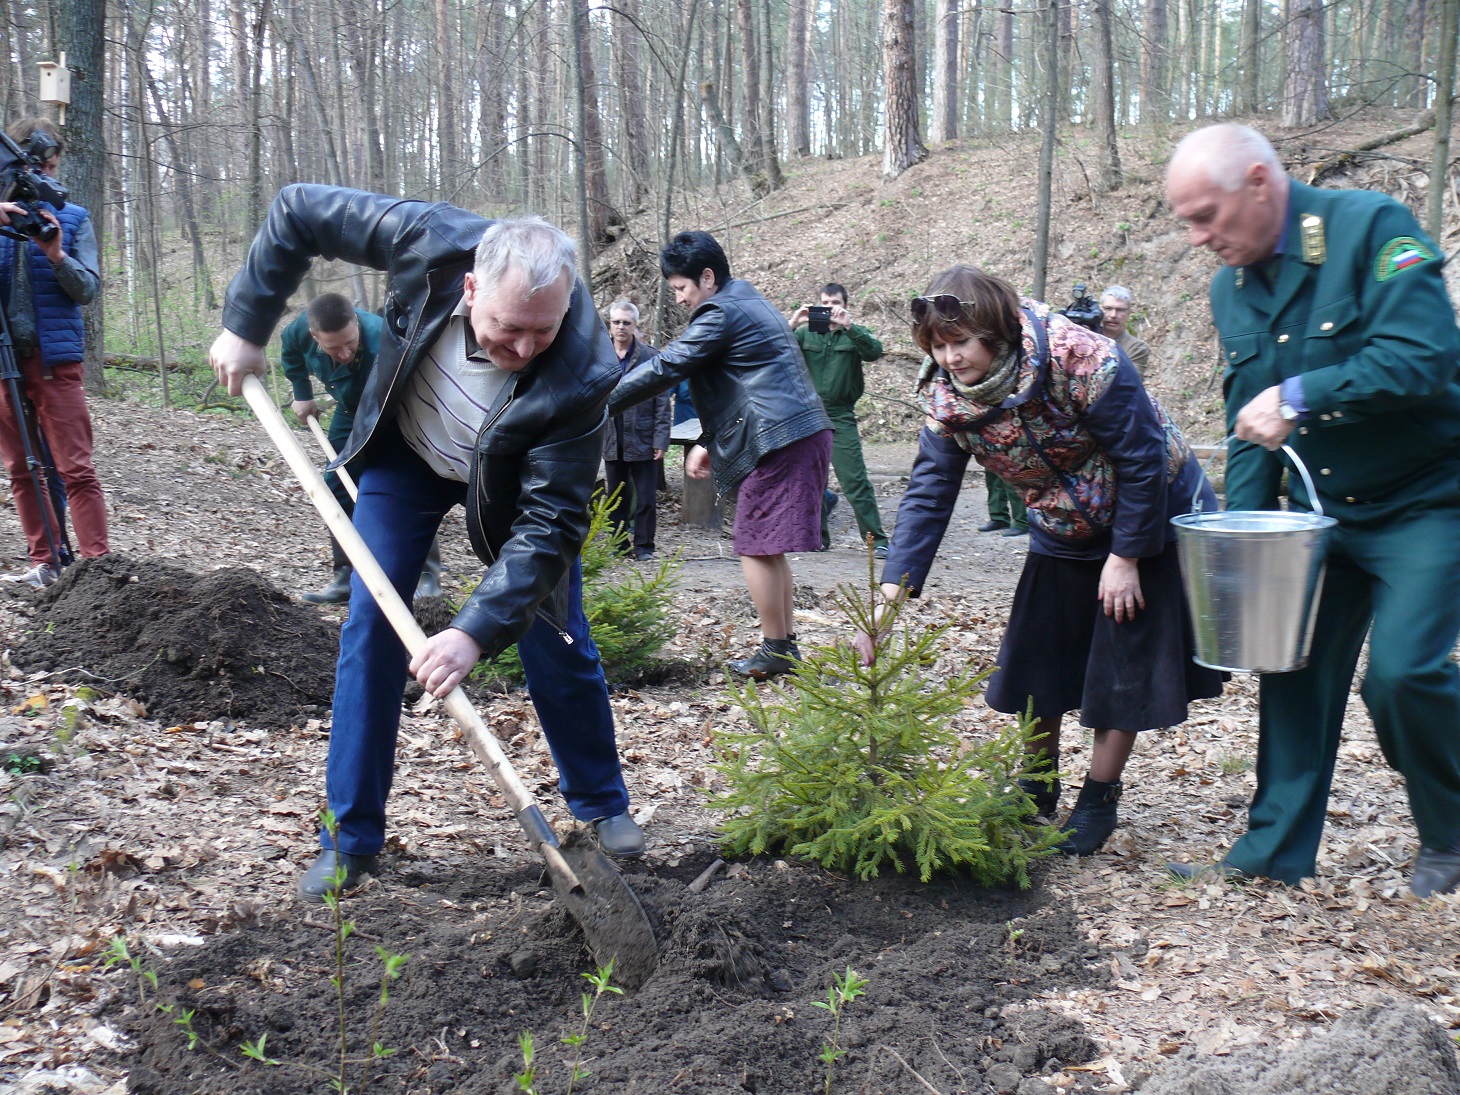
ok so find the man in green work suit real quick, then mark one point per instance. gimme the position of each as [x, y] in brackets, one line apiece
[835, 358]
[1340, 341]
[336, 343]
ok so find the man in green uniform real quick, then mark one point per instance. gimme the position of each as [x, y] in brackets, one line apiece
[336, 342]
[835, 358]
[1340, 341]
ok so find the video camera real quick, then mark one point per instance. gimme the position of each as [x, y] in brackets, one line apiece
[22, 182]
[1084, 309]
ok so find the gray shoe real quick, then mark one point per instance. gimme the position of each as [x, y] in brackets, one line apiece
[1435, 872]
[336, 593]
[775, 656]
[1222, 870]
[429, 584]
[38, 576]
[323, 874]
[620, 836]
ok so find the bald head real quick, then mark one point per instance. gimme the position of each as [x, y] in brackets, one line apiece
[1227, 184]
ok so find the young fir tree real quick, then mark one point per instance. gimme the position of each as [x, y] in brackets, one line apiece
[857, 767]
[627, 608]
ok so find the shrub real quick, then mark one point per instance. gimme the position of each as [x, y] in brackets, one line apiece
[627, 608]
[858, 767]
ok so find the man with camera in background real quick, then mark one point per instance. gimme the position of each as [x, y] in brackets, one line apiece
[835, 348]
[1115, 306]
[43, 284]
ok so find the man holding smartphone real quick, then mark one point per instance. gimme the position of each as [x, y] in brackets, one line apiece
[835, 348]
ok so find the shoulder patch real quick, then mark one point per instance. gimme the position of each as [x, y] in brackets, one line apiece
[1399, 254]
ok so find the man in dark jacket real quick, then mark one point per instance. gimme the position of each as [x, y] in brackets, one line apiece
[42, 288]
[835, 358]
[489, 391]
[636, 439]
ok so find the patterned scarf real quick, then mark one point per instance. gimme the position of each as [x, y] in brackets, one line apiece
[958, 406]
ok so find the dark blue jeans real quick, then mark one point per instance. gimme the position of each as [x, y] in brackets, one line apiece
[399, 510]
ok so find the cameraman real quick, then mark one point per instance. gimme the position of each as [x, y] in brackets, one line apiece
[42, 289]
[835, 348]
[1115, 306]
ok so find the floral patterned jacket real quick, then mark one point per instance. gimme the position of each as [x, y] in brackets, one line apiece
[1096, 459]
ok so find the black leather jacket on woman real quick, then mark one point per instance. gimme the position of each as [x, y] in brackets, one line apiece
[537, 454]
[749, 381]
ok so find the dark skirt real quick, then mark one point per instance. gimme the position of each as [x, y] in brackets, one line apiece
[1061, 650]
[778, 506]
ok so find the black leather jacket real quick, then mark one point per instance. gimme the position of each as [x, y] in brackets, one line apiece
[537, 455]
[747, 376]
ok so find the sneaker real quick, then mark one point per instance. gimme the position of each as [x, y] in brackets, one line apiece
[38, 576]
[880, 551]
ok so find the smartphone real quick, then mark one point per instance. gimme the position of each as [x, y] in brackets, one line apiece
[818, 318]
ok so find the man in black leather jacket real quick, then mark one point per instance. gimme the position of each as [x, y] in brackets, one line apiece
[488, 390]
[768, 434]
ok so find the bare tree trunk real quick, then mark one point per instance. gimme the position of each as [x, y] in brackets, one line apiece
[85, 134]
[901, 145]
[1102, 99]
[1444, 103]
[1155, 95]
[1250, 52]
[739, 160]
[601, 213]
[944, 126]
[797, 99]
[750, 79]
[1305, 97]
[768, 106]
[1004, 116]
[661, 297]
[631, 98]
[447, 129]
[1046, 148]
[14, 12]
[1414, 85]
[201, 274]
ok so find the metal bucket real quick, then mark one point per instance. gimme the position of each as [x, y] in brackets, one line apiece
[1253, 580]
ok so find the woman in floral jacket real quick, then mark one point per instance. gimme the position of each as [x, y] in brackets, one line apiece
[1099, 622]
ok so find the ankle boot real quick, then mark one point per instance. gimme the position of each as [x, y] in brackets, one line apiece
[429, 584]
[775, 656]
[1046, 796]
[337, 592]
[1093, 819]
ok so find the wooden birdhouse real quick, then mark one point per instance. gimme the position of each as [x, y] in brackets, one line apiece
[56, 84]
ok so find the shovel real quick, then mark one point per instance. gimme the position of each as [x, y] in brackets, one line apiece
[329, 452]
[587, 884]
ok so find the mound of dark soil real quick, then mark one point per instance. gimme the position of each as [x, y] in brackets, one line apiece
[729, 1009]
[190, 647]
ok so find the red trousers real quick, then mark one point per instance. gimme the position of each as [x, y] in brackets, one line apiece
[60, 411]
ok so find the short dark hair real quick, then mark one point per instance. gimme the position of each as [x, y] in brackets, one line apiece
[832, 289]
[689, 254]
[21, 129]
[330, 312]
[990, 310]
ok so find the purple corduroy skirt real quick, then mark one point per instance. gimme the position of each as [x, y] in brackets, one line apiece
[778, 507]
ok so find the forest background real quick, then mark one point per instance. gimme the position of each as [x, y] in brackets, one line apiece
[623, 120]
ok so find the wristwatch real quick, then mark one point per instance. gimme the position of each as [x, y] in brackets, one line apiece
[1287, 411]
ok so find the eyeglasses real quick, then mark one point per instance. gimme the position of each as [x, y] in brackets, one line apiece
[944, 305]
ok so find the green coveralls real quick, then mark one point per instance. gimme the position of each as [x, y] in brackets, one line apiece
[1004, 503]
[1355, 305]
[835, 361]
[301, 358]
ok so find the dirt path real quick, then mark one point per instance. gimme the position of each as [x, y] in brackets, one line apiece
[175, 833]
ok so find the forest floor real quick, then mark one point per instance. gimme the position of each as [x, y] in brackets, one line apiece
[186, 835]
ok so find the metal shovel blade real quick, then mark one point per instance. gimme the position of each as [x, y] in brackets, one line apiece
[613, 921]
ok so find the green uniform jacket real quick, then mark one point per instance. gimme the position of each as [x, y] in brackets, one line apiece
[835, 360]
[301, 357]
[1357, 309]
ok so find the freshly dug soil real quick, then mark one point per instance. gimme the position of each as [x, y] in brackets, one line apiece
[729, 1009]
[225, 645]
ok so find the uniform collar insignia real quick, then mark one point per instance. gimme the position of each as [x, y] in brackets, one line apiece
[1315, 248]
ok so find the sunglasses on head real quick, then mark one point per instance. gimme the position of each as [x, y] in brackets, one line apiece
[944, 306]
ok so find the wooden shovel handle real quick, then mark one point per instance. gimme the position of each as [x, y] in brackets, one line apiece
[483, 743]
[329, 452]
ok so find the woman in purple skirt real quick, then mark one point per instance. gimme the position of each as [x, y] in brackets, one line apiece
[765, 430]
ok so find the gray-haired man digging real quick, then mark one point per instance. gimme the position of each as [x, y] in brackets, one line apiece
[489, 391]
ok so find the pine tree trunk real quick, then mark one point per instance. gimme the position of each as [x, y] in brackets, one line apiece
[84, 28]
[750, 80]
[798, 110]
[944, 125]
[601, 211]
[1046, 148]
[1305, 97]
[1251, 60]
[901, 145]
[768, 106]
[447, 129]
[1444, 102]
[1155, 96]
[631, 92]
[1102, 98]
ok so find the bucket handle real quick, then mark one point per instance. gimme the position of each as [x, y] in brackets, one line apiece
[1292, 455]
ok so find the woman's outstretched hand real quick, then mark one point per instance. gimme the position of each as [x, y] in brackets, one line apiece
[1120, 588]
[866, 645]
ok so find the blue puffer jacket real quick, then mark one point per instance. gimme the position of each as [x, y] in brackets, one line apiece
[58, 317]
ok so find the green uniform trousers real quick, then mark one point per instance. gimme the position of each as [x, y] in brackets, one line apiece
[851, 473]
[1401, 577]
[1004, 503]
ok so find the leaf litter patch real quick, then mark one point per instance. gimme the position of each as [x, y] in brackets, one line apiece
[729, 1010]
[224, 645]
